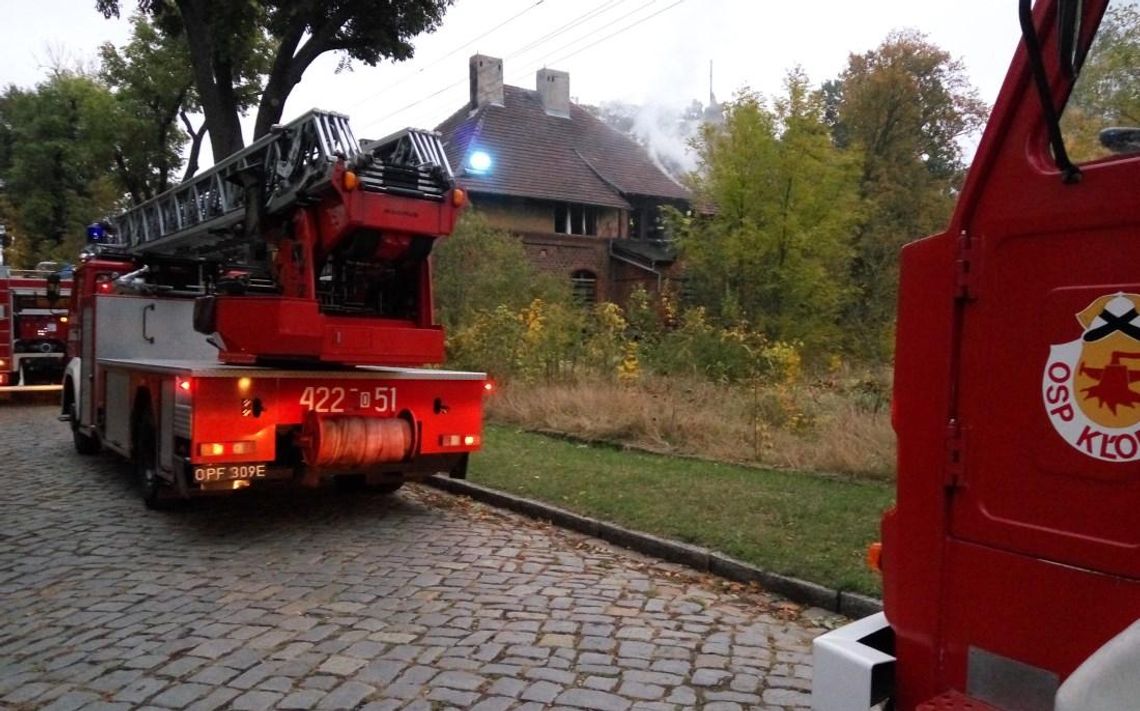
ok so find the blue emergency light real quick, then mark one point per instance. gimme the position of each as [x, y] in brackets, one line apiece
[480, 162]
[96, 233]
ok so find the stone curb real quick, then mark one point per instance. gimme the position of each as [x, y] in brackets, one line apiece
[701, 559]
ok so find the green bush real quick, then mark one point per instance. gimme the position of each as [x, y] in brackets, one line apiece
[479, 268]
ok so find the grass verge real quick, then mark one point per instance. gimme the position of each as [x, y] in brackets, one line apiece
[819, 426]
[813, 527]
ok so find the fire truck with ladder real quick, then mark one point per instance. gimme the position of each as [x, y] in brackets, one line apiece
[265, 321]
[33, 327]
[1011, 559]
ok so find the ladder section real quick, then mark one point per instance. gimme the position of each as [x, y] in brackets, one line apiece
[409, 162]
[290, 160]
[294, 161]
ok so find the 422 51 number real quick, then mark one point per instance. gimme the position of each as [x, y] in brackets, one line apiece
[335, 399]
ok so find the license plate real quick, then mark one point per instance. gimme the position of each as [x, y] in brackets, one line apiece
[230, 472]
[336, 398]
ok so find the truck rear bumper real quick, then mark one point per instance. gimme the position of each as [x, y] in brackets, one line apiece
[30, 388]
[188, 485]
[854, 666]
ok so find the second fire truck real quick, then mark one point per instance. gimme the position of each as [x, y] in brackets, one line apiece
[264, 322]
[33, 327]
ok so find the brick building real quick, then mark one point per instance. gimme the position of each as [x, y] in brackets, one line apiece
[582, 196]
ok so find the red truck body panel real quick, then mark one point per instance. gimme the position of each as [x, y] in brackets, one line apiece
[1019, 436]
[256, 326]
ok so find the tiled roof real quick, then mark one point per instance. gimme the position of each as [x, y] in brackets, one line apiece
[536, 155]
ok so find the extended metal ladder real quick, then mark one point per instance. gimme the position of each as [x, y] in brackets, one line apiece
[293, 160]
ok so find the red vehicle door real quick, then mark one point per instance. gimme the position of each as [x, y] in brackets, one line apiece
[1048, 363]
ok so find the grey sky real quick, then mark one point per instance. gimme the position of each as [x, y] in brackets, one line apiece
[632, 50]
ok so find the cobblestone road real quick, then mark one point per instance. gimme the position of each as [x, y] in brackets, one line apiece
[300, 600]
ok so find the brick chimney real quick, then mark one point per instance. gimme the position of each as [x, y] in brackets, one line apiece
[486, 80]
[554, 88]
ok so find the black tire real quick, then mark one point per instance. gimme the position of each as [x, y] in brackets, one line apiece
[145, 458]
[388, 487]
[84, 444]
[358, 483]
[459, 470]
[350, 483]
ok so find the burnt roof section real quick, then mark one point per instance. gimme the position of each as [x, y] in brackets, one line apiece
[647, 252]
[537, 155]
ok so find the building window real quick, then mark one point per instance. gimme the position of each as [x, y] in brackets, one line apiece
[571, 219]
[584, 284]
[647, 223]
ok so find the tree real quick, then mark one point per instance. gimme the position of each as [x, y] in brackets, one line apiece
[152, 85]
[56, 164]
[775, 252]
[904, 106]
[224, 40]
[479, 268]
[1107, 91]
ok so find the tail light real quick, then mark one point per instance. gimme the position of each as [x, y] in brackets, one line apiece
[220, 449]
[457, 440]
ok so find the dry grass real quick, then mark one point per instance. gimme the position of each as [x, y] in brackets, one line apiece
[825, 427]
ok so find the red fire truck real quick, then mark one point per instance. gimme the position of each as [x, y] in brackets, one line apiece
[33, 327]
[1011, 560]
[258, 324]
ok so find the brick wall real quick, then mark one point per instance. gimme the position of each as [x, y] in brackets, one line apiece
[624, 278]
[515, 214]
[611, 222]
[561, 255]
[525, 215]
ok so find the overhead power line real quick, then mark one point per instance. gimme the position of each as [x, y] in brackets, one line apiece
[450, 54]
[561, 58]
[616, 32]
[589, 14]
[558, 31]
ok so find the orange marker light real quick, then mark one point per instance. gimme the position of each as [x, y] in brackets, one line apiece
[458, 197]
[351, 181]
[875, 557]
[489, 387]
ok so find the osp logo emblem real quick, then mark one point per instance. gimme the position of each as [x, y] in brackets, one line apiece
[1087, 384]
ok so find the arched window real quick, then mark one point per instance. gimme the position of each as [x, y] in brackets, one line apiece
[584, 284]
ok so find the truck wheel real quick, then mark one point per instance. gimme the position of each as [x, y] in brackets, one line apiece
[84, 444]
[358, 483]
[151, 485]
[388, 487]
[459, 471]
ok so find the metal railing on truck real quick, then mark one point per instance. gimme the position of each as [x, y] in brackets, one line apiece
[289, 163]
